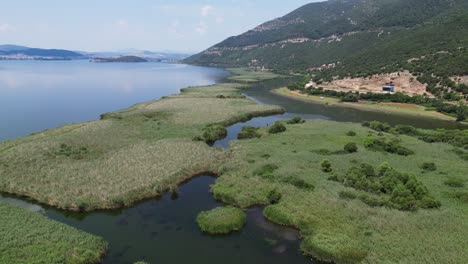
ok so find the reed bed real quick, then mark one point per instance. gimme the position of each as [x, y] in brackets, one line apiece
[29, 237]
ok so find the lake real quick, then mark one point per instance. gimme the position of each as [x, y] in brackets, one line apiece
[36, 95]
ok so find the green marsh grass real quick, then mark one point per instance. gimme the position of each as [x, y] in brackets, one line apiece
[29, 237]
[221, 220]
[128, 155]
[334, 226]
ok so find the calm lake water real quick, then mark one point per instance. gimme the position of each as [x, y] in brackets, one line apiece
[37, 95]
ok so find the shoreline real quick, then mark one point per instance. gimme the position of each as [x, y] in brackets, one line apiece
[372, 107]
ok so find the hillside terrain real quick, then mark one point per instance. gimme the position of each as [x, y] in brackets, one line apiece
[340, 39]
[12, 52]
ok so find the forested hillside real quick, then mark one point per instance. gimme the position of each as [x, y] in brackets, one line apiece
[359, 38]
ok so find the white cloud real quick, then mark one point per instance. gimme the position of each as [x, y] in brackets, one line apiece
[202, 28]
[122, 25]
[206, 10]
[219, 19]
[5, 28]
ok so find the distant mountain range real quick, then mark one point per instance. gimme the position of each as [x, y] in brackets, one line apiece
[16, 52]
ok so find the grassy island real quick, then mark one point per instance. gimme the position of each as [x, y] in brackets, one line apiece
[221, 220]
[394, 198]
[128, 155]
[29, 237]
[387, 107]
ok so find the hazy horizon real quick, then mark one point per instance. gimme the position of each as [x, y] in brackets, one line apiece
[185, 26]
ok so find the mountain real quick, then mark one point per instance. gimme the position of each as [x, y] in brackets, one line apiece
[10, 47]
[145, 54]
[15, 52]
[121, 59]
[353, 38]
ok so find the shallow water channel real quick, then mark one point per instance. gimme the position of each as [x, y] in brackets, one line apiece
[163, 230]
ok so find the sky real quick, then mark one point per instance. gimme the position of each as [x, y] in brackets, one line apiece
[111, 25]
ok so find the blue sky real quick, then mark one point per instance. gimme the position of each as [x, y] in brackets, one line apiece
[105, 25]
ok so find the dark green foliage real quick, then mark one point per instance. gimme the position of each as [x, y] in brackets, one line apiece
[249, 132]
[326, 166]
[461, 111]
[393, 188]
[391, 146]
[277, 127]
[370, 200]
[429, 166]
[266, 171]
[351, 134]
[295, 120]
[455, 137]
[71, 152]
[347, 195]
[274, 196]
[460, 195]
[211, 133]
[455, 182]
[299, 183]
[351, 148]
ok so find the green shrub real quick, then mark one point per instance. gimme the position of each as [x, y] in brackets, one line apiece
[299, 183]
[429, 166]
[347, 195]
[455, 182]
[371, 201]
[221, 220]
[428, 202]
[211, 133]
[266, 171]
[249, 132]
[276, 128]
[73, 152]
[326, 166]
[274, 196]
[393, 146]
[460, 195]
[398, 190]
[351, 147]
[351, 134]
[296, 120]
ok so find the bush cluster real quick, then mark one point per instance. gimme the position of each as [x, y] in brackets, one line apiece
[71, 151]
[429, 166]
[326, 166]
[211, 133]
[392, 146]
[266, 172]
[351, 148]
[249, 132]
[276, 128]
[455, 182]
[295, 120]
[392, 188]
[455, 137]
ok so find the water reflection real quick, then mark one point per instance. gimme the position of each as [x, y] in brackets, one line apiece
[37, 95]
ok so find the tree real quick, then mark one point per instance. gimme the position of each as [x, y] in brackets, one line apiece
[276, 128]
[351, 147]
[461, 111]
[326, 166]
